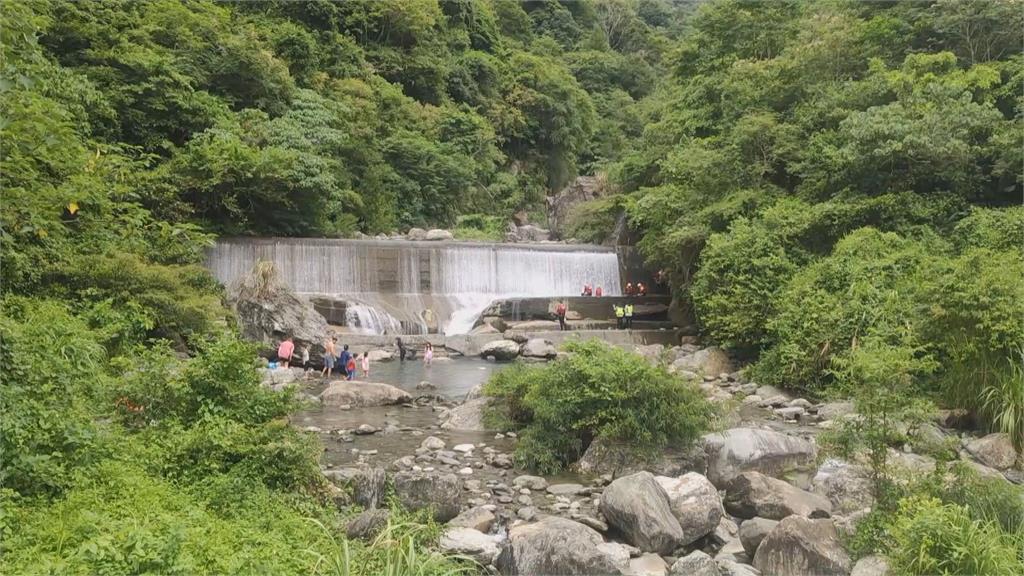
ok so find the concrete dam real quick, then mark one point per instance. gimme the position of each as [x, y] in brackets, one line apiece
[417, 287]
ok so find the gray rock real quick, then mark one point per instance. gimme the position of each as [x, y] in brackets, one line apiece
[467, 416]
[695, 504]
[873, 565]
[368, 524]
[647, 565]
[848, 487]
[462, 541]
[538, 348]
[728, 567]
[436, 234]
[833, 410]
[590, 521]
[500, 350]
[432, 443]
[416, 234]
[696, 563]
[799, 546]
[790, 412]
[560, 489]
[620, 458]
[638, 507]
[753, 531]
[753, 494]
[364, 483]
[741, 449]
[562, 205]
[380, 355]
[477, 518]
[527, 513]
[772, 391]
[995, 451]
[359, 394]
[555, 546]
[531, 482]
[709, 361]
[418, 491]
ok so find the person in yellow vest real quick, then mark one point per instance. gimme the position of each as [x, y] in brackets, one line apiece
[628, 312]
[620, 312]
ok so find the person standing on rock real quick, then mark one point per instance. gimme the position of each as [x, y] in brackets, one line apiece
[285, 351]
[401, 349]
[330, 355]
[560, 311]
[428, 354]
[343, 361]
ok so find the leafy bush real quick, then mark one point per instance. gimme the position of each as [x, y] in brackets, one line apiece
[479, 227]
[929, 537]
[597, 391]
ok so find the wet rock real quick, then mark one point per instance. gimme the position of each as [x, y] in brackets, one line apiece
[432, 443]
[711, 361]
[469, 542]
[555, 546]
[437, 234]
[368, 524]
[366, 484]
[753, 494]
[753, 531]
[365, 430]
[995, 451]
[358, 394]
[873, 565]
[538, 348]
[799, 546]
[848, 487]
[531, 482]
[741, 449]
[695, 504]
[647, 565]
[637, 506]
[561, 489]
[418, 491]
[696, 563]
[500, 350]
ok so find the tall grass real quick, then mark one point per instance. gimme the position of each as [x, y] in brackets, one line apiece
[991, 384]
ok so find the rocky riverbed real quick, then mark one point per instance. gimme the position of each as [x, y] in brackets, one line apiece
[752, 498]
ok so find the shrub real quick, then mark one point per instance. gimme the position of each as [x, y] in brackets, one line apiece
[597, 391]
[929, 537]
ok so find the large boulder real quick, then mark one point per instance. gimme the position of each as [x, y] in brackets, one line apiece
[268, 311]
[847, 486]
[753, 531]
[563, 204]
[799, 546]
[460, 541]
[368, 524]
[729, 567]
[696, 563]
[359, 394]
[556, 546]
[710, 361]
[419, 491]
[436, 234]
[617, 458]
[501, 350]
[753, 494]
[477, 518]
[538, 348]
[365, 484]
[416, 234]
[873, 565]
[467, 416]
[638, 507]
[695, 504]
[995, 451]
[740, 449]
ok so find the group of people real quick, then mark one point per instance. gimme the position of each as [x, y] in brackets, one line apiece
[403, 352]
[346, 361]
[638, 290]
[623, 316]
[590, 291]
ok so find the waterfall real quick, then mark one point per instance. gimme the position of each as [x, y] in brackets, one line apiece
[399, 286]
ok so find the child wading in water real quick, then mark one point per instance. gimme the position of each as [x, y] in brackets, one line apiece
[365, 361]
[350, 368]
[428, 354]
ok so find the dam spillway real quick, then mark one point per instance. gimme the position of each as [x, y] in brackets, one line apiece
[402, 286]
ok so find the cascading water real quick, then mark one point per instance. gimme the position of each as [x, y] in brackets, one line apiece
[398, 286]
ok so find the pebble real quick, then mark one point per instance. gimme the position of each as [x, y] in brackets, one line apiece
[464, 448]
[466, 471]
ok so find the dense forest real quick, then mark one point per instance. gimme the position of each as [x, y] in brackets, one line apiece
[834, 187]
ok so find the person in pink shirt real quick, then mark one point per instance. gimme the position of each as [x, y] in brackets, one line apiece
[365, 361]
[285, 351]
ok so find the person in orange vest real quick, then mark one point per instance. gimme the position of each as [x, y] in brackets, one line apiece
[560, 311]
[629, 289]
[641, 289]
[586, 290]
[597, 292]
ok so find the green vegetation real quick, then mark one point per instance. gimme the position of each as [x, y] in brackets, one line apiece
[598, 391]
